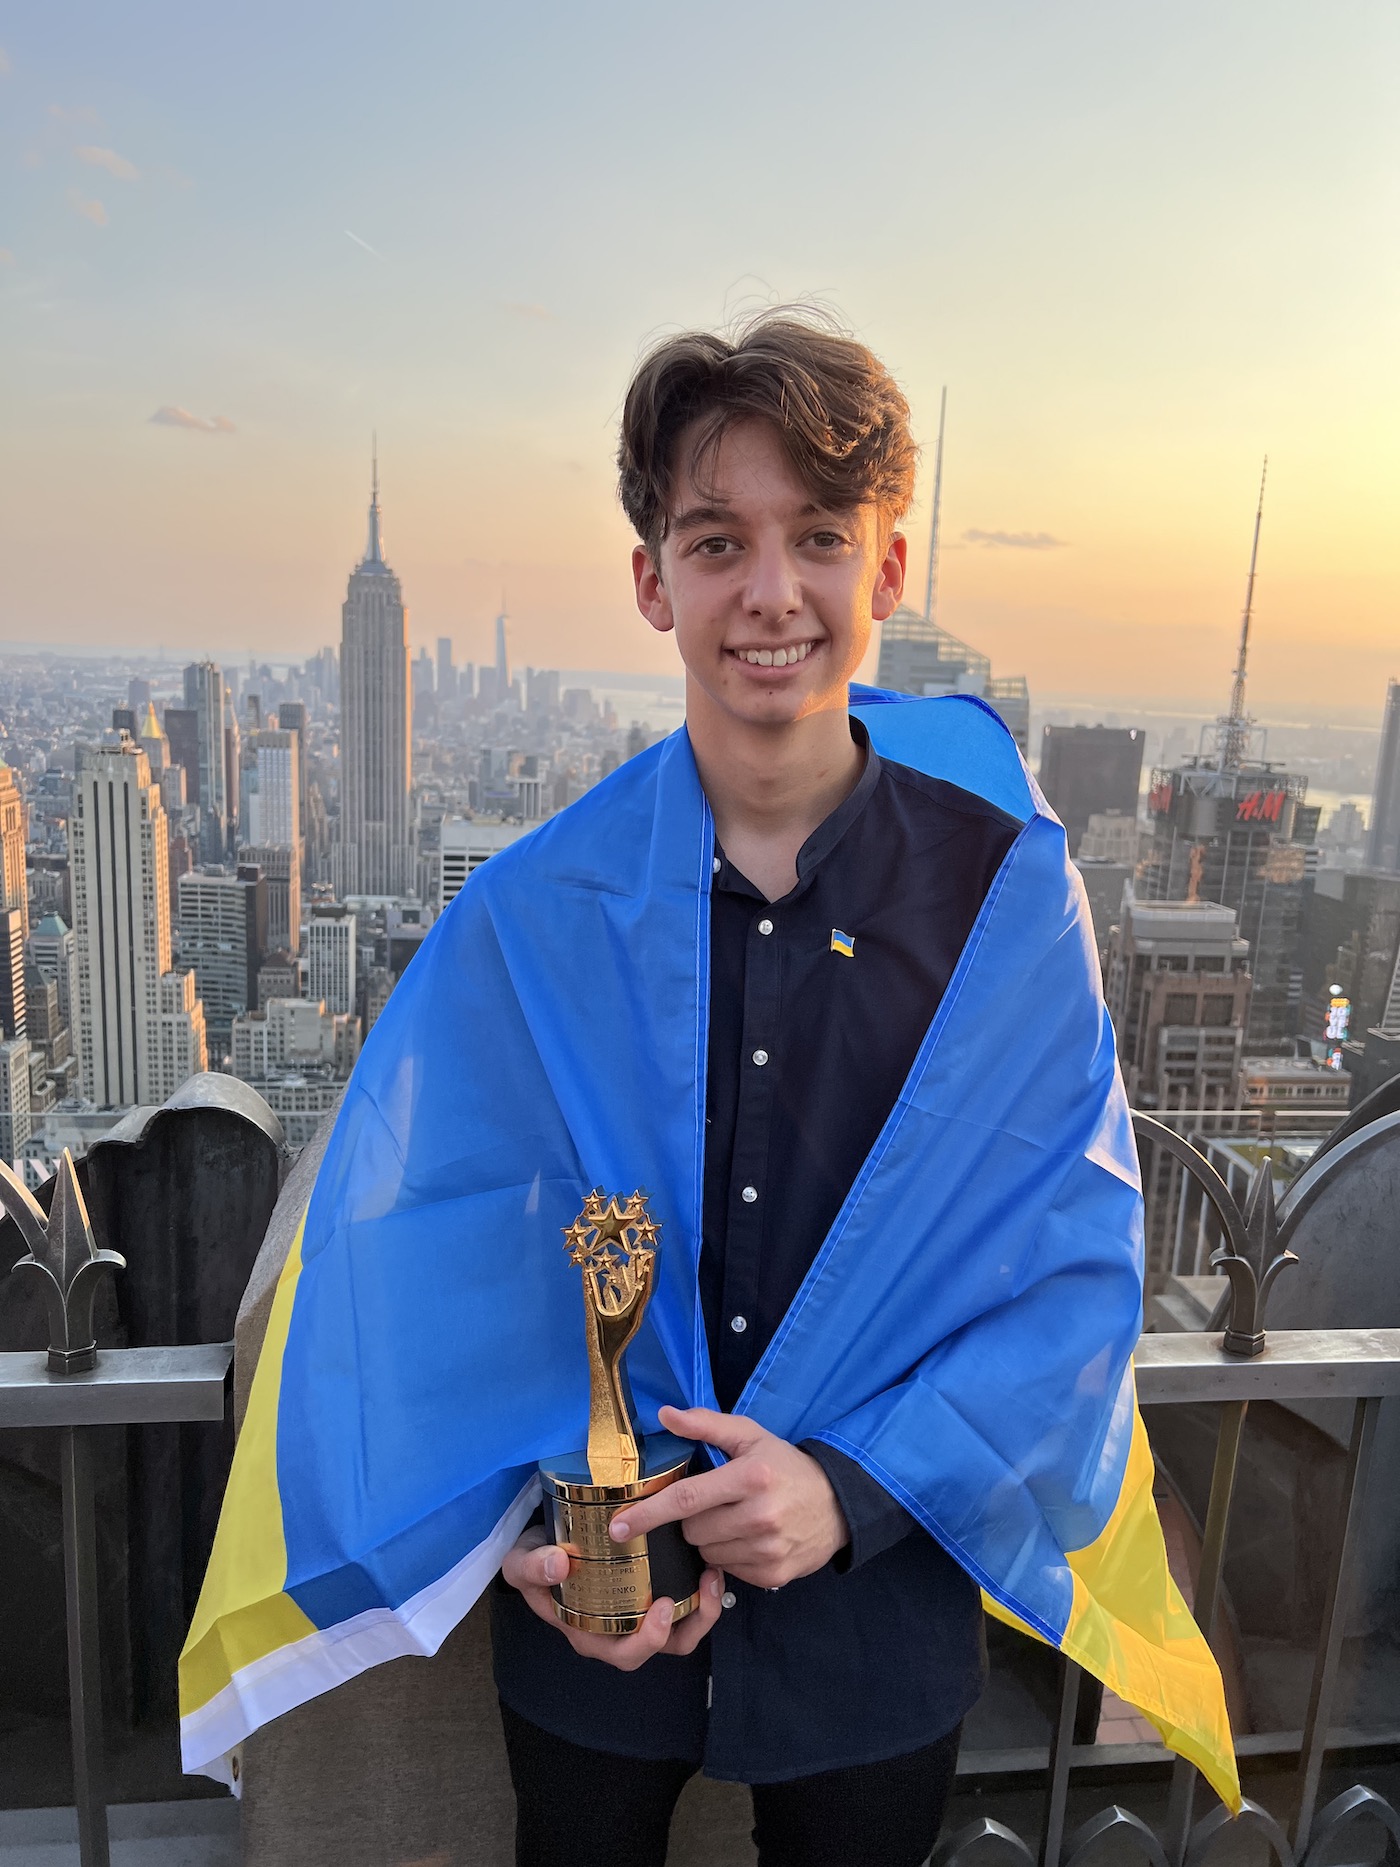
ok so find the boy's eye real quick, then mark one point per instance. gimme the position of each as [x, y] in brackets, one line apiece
[826, 540]
[712, 547]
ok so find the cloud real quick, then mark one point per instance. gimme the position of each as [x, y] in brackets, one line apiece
[1015, 541]
[90, 210]
[75, 113]
[172, 416]
[107, 159]
[366, 245]
[7, 258]
[538, 314]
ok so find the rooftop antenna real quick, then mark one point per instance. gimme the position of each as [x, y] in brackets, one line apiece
[1235, 727]
[374, 547]
[931, 587]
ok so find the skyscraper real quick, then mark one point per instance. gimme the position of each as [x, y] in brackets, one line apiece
[291, 718]
[121, 909]
[1088, 769]
[182, 1041]
[232, 761]
[918, 656]
[14, 884]
[153, 741]
[54, 950]
[223, 936]
[502, 660]
[1383, 837]
[12, 1020]
[446, 673]
[16, 1119]
[1177, 986]
[274, 801]
[330, 957]
[1228, 827]
[204, 697]
[182, 736]
[281, 871]
[376, 855]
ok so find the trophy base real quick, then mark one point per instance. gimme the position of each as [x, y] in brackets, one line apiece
[610, 1585]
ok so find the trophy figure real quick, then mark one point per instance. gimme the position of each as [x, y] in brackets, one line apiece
[610, 1585]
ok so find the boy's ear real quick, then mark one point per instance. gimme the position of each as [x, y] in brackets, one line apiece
[889, 583]
[652, 599]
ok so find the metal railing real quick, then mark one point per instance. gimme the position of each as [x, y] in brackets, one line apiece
[75, 1390]
[1228, 1370]
[1360, 1365]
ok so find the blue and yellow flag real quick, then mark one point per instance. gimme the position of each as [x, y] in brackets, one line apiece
[423, 1352]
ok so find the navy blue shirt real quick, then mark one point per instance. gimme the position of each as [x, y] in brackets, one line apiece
[818, 1005]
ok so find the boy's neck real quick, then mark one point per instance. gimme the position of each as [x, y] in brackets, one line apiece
[769, 787]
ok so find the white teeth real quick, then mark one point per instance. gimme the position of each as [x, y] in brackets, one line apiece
[775, 657]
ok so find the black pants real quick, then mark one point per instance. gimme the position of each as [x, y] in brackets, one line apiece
[585, 1808]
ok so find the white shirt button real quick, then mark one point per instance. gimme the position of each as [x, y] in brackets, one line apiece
[749, 1195]
[765, 926]
[717, 865]
[760, 1057]
[728, 1598]
[738, 1324]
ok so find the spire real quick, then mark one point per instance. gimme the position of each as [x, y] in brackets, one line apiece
[931, 588]
[1232, 739]
[373, 552]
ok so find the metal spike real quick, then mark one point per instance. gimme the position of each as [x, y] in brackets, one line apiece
[64, 1253]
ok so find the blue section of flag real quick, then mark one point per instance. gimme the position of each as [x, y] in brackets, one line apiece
[551, 1037]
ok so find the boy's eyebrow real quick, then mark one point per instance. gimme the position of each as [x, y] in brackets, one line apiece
[701, 515]
[713, 514]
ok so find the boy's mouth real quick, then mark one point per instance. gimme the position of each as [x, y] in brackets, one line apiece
[786, 656]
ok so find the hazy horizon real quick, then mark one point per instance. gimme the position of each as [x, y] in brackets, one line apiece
[1140, 251]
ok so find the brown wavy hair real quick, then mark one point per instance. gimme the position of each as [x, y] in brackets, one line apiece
[841, 417]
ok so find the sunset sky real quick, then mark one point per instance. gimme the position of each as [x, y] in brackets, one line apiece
[1143, 246]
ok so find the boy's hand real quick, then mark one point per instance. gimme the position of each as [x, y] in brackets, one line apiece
[768, 1516]
[533, 1563]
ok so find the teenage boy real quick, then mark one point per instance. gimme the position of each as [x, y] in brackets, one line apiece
[766, 478]
[816, 973]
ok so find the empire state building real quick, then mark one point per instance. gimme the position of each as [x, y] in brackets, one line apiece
[376, 856]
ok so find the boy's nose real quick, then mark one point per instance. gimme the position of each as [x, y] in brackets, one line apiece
[774, 590]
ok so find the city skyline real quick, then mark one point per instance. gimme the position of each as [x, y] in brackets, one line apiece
[1138, 262]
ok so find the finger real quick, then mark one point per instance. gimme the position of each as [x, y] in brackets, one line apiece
[764, 1563]
[541, 1602]
[687, 1497]
[731, 1432]
[628, 1651]
[537, 1565]
[686, 1635]
[746, 1520]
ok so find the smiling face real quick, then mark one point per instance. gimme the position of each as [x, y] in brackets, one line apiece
[772, 598]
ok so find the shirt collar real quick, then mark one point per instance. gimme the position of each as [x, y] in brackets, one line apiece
[824, 838]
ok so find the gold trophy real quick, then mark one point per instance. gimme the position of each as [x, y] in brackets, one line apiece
[610, 1585]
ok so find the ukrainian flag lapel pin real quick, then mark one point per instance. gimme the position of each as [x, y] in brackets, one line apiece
[843, 943]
